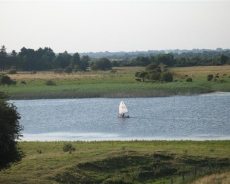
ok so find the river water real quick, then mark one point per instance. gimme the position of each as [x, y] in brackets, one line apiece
[201, 117]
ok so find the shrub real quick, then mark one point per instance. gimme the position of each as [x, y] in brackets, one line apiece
[68, 70]
[94, 67]
[12, 71]
[4, 79]
[58, 70]
[189, 79]
[68, 147]
[33, 72]
[167, 76]
[209, 77]
[155, 76]
[136, 74]
[50, 83]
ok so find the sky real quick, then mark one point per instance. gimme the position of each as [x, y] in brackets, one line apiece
[109, 25]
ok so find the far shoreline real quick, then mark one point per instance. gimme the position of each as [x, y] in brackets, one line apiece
[35, 97]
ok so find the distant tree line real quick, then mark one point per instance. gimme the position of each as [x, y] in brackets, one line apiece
[183, 60]
[45, 59]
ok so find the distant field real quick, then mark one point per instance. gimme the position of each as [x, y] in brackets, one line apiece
[202, 71]
[119, 82]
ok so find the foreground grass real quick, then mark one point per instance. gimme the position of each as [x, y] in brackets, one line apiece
[223, 178]
[119, 162]
[120, 82]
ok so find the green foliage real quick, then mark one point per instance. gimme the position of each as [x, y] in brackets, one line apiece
[137, 74]
[6, 80]
[189, 79]
[152, 66]
[103, 64]
[59, 71]
[68, 147]
[84, 62]
[79, 63]
[224, 59]
[142, 75]
[94, 67]
[12, 70]
[167, 59]
[209, 77]
[68, 69]
[167, 76]
[10, 131]
[155, 76]
[3, 55]
[76, 68]
[114, 63]
[50, 83]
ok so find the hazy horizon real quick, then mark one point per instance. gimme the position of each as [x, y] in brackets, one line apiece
[114, 26]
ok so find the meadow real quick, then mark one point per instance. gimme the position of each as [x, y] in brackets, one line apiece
[117, 83]
[121, 162]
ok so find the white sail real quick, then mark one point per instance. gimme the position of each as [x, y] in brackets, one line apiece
[122, 108]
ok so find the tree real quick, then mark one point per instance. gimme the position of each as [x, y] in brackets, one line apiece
[85, 62]
[62, 60]
[3, 55]
[167, 59]
[103, 64]
[10, 131]
[75, 60]
[224, 59]
[153, 66]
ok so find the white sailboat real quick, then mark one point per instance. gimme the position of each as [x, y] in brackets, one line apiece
[122, 110]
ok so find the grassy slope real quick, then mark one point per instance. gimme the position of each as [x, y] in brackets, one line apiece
[118, 161]
[119, 84]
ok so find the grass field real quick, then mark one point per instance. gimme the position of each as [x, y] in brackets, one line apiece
[120, 82]
[120, 162]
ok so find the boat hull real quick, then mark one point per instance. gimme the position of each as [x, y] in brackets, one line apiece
[123, 117]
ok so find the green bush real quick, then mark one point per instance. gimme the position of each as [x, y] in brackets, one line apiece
[189, 79]
[60, 70]
[50, 83]
[155, 76]
[12, 71]
[68, 147]
[136, 74]
[209, 77]
[4, 79]
[94, 67]
[68, 70]
[167, 76]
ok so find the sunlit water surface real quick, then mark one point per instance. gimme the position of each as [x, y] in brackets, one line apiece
[201, 117]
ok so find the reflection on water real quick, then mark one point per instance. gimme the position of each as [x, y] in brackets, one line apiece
[202, 117]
